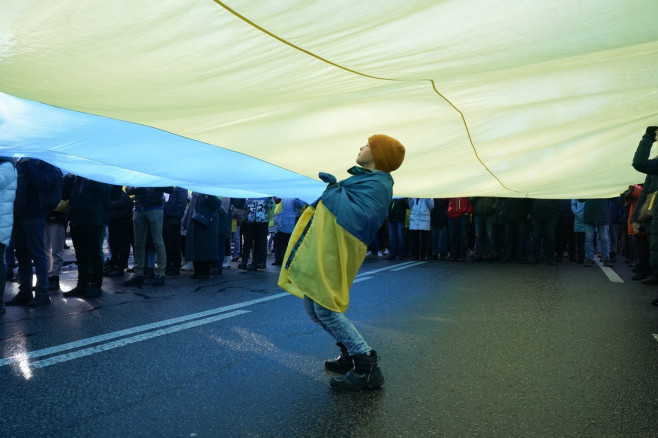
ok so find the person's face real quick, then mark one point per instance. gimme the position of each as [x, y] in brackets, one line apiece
[364, 159]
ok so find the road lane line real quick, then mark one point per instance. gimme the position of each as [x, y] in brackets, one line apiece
[133, 330]
[362, 279]
[610, 273]
[387, 268]
[408, 266]
[656, 336]
[131, 340]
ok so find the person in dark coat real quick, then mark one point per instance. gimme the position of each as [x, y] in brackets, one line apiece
[543, 217]
[565, 239]
[89, 202]
[224, 225]
[515, 213]
[120, 231]
[201, 241]
[174, 209]
[642, 163]
[35, 181]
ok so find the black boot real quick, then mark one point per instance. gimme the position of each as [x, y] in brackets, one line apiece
[78, 291]
[135, 280]
[93, 291]
[342, 364]
[21, 299]
[53, 282]
[365, 374]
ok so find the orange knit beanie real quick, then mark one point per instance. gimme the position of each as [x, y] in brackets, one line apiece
[387, 152]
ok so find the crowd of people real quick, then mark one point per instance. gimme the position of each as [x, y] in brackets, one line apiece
[169, 230]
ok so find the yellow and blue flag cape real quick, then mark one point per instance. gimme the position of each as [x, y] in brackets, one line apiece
[330, 240]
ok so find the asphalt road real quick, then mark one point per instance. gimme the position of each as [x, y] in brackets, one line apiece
[467, 350]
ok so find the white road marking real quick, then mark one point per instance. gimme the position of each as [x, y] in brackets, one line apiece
[387, 268]
[361, 279]
[408, 266]
[131, 340]
[610, 273]
[656, 336]
[133, 330]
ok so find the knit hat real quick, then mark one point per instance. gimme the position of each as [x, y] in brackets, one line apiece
[387, 152]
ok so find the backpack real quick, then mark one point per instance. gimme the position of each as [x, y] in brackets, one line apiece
[53, 195]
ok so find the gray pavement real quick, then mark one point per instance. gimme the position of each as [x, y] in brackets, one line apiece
[467, 350]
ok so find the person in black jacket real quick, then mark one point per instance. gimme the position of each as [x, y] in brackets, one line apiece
[543, 216]
[642, 163]
[174, 209]
[120, 231]
[35, 180]
[88, 204]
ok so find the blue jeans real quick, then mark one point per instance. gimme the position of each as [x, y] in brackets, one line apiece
[396, 239]
[603, 240]
[338, 326]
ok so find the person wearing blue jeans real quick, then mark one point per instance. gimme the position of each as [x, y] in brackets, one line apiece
[397, 212]
[322, 260]
[596, 217]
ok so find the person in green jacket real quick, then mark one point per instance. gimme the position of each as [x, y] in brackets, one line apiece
[327, 248]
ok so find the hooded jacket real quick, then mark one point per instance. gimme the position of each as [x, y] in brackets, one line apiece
[329, 242]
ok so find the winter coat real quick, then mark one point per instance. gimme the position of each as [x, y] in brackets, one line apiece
[544, 209]
[176, 204]
[516, 210]
[596, 212]
[201, 241]
[439, 215]
[121, 205]
[284, 222]
[35, 178]
[330, 240]
[641, 161]
[634, 193]
[577, 208]
[483, 206]
[8, 180]
[564, 213]
[89, 201]
[421, 210]
[148, 198]
[458, 207]
[397, 210]
[259, 209]
[225, 217]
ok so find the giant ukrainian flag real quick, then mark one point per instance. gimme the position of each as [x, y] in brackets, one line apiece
[247, 98]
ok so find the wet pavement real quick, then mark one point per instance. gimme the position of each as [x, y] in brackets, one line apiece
[467, 350]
